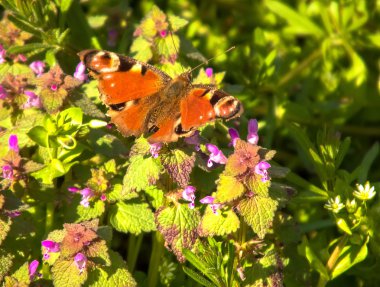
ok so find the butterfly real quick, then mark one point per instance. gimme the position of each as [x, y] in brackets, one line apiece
[144, 100]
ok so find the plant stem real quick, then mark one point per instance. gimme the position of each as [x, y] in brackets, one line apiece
[330, 265]
[134, 245]
[155, 258]
[49, 217]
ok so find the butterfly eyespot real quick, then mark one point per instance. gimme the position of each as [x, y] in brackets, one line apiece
[118, 107]
[153, 129]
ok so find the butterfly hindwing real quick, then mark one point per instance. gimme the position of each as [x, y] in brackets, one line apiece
[204, 103]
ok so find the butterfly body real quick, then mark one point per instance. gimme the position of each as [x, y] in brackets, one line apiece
[144, 100]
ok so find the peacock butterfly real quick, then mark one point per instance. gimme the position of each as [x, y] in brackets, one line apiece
[144, 100]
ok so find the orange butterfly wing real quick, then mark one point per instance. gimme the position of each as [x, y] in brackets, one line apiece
[121, 78]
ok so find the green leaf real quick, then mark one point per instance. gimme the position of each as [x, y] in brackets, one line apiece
[155, 196]
[178, 225]
[141, 173]
[257, 186]
[141, 49]
[176, 22]
[132, 217]
[95, 210]
[117, 193]
[229, 189]
[197, 277]
[6, 263]
[52, 100]
[22, 274]
[300, 24]
[225, 222]
[5, 226]
[39, 135]
[70, 117]
[53, 170]
[258, 212]
[350, 255]
[361, 172]
[66, 274]
[115, 275]
[305, 250]
[28, 48]
[178, 164]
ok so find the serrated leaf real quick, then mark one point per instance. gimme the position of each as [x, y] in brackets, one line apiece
[6, 263]
[229, 189]
[178, 164]
[178, 225]
[5, 226]
[258, 212]
[27, 48]
[132, 217]
[141, 173]
[224, 223]
[258, 187]
[52, 100]
[22, 274]
[94, 210]
[118, 193]
[98, 251]
[115, 275]
[105, 232]
[141, 49]
[155, 196]
[66, 274]
[32, 166]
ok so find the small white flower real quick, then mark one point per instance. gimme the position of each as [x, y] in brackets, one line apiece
[334, 205]
[365, 192]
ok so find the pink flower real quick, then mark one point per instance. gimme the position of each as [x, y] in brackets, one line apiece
[80, 261]
[163, 33]
[209, 72]
[194, 140]
[33, 269]
[22, 58]
[103, 197]
[32, 101]
[54, 88]
[49, 246]
[262, 169]
[37, 67]
[210, 201]
[2, 54]
[86, 193]
[216, 155]
[13, 213]
[13, 143]
[234, 134]
[253, 137]
[8, 172]
[188, 195]
[154, 149]
[3, 93]
[80, 72]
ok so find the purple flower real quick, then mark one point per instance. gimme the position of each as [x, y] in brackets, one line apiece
[103, 197]
[32, 101]
[154, 149]
[262, 169]
[216, 155]
[188, 195]
[13, 213]
[194, 140]
[54, 87]
[112, 37]
[33, 269]
[80, 72]
[210, 201]
[37, 67]
[86, 193]
[163, 33]
[49, 246]
[252, 137]
[209, 72]
[2, 54]
[80, 261]
[13, 143]
[7, 171]
[3, 93]
[234, 134]
[73, 189]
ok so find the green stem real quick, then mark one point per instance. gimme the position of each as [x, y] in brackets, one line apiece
[330, 265]
[155, 258]
[49, 217]
[134, 245]
[301, 66]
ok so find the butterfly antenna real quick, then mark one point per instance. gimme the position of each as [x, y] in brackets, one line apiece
[175, 48]
[207, 61]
